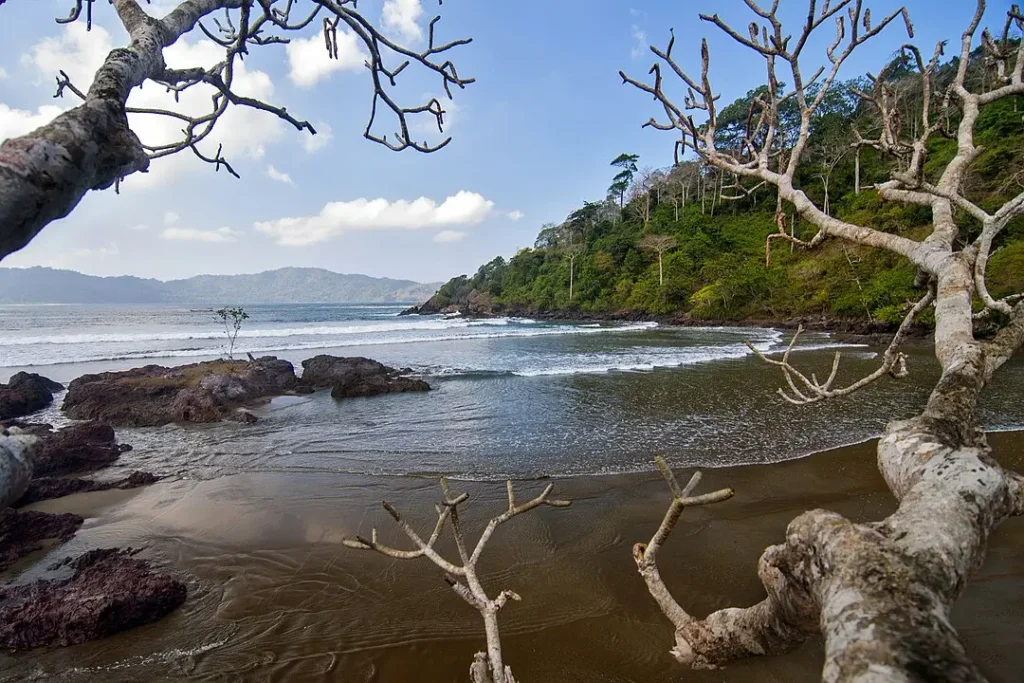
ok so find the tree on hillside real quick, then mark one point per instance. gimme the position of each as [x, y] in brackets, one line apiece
[658, 244]
[880, 594]
[44, 174]
[573, 250]
[582, 220]
[640, 199]
[626, 163]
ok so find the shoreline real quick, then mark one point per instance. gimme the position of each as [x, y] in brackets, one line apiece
[275, 596]
[810, 322]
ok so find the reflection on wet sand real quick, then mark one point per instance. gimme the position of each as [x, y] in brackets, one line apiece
[275, 596]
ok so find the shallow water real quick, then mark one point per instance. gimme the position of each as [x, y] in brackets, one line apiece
[274, 596]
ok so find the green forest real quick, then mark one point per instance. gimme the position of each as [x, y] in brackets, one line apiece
[690, 242]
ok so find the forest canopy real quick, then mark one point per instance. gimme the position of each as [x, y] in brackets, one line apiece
[715, 268]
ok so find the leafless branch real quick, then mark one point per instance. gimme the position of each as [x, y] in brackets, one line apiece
[646, 554]
[804, 390]
[463, 578]
[433, 58]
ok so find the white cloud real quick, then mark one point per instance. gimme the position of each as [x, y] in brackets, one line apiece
[75, 50]
[274, 174]
[402, 16]
[450, 235]
[242, 131]
[639, 42]
[309, 63]
[170, 218]
[336, 218]
[81, 258]
[17, 122]
[3, 73]
[516, 215]
[141, 227]
[323, 137]
[220, 235]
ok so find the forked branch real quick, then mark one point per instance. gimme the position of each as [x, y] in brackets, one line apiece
[804, 390]
[646, 554]
[487, 667]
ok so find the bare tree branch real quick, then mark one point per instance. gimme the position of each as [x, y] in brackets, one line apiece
[487, 667]
[43, 175]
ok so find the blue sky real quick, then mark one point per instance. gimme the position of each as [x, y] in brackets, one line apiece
[532, 138]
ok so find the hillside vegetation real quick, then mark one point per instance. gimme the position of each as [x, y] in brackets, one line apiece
[604, 258]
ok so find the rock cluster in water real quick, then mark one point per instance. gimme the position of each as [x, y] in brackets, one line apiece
[357, 377]
[216, 390]
[108, 590]
[26, 393]
[154, 395]
[95, 594]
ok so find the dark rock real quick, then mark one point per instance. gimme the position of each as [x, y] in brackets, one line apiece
[373, 385]
[46, 488]
[303, 390]
[244, 416]
[22, 532]
[324, 371]
[357, 376]
[78, 448]
[26, 393]
[110, 591]
[154, 395]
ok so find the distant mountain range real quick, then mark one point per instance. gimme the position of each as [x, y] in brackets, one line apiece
[285, 285]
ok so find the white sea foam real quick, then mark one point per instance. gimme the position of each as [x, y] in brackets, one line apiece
[481, 331]
[258, 333]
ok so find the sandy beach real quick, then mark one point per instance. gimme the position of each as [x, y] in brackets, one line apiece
[275, 596]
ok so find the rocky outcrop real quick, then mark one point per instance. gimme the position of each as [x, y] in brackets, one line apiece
[109, 591]
[357, 377]
[23, 532]
[472, 304]
[155, 395]
[25, 393]
[78, 448]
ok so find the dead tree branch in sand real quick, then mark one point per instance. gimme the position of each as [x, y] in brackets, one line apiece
[879, 593]
[44, 174]
[487, 667]
[646, 554]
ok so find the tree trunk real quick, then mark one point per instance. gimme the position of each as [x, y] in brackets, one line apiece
[856, 172]
[572, 260]
[661, 272]
[45, 174]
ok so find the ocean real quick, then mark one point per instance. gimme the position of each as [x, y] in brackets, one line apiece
[513, 397]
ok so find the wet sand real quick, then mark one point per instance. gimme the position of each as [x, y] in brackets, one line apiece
[274, 596]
